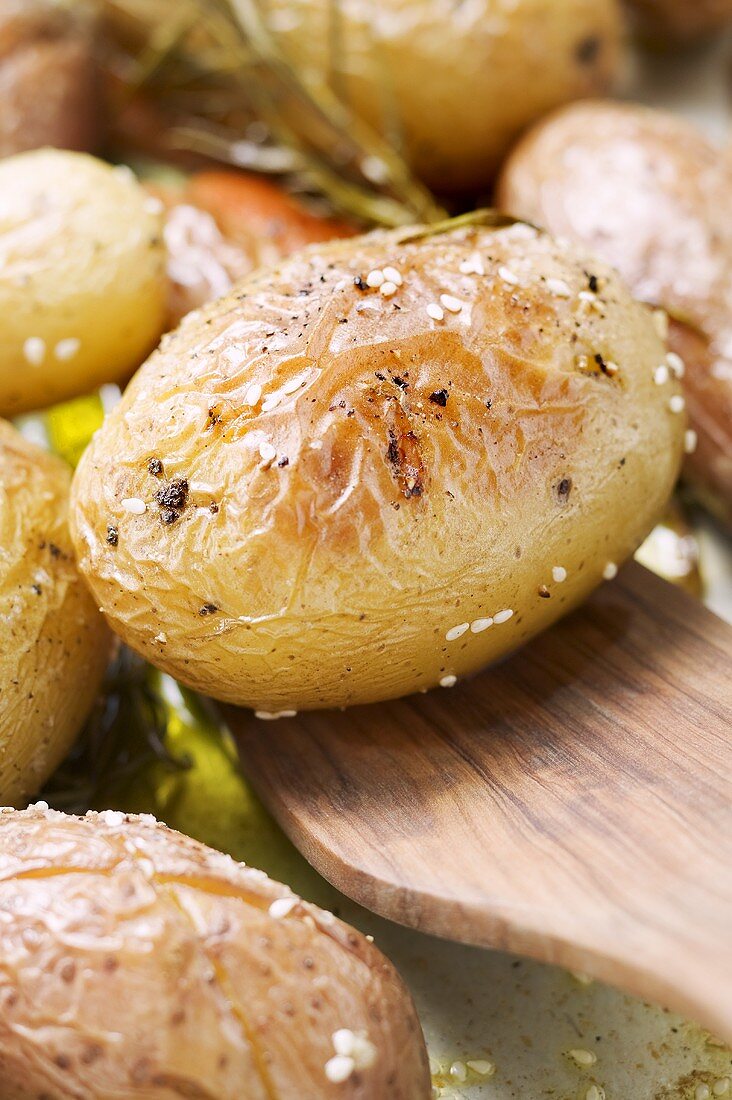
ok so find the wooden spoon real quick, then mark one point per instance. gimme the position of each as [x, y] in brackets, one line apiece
[572, 804]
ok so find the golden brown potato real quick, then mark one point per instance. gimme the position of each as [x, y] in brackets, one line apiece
[82, 279]
[223, 224]
[329, 492]
[459, 82]
[47, 87]
[650, 195]
[682, 19]
[53, 641]
[139, 963]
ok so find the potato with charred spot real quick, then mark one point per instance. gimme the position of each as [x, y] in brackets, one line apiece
[651, 195]
[54, 643]
[379, 466]
[454, 84]
[139, 963]
[82, 277]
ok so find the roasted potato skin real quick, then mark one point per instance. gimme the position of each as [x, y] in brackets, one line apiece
[137, 962]
[649, 194]
[53, 641]
[397, 64]
[223, 224]
[338, 480]
[47, 77]
[682, 19]
[82, 277]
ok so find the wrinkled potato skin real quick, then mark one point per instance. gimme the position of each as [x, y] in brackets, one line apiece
[650, 195]
[81, 257]
[47, 79]
[682, 19]
[222, 225]
[399, 60]
[333, 579]
[153, 969]
[53, 641]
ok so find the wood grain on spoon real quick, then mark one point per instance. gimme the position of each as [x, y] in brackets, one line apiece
[572, 804]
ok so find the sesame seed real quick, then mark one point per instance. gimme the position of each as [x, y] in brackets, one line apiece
[266, 451]
[479, 625]
[677, 403]
[676, 363]
[453, 305]
[271, 402]
[436, 312]
[253, 394]
[701, 1092]
[690, 441]
[559, 574]
[134, 505]
[448, 681]
[661, 375]
[375, 278]
[456, 632]
[459, 1071]
[660, 323]
[583, 1057]
[502, 616]
[388, 289]
[280, 907]
[393, 275]
[273, 715]
[559, 288]
[472, 266]
[610, 571]
[339, 1068]
[482, 1067]
[594, 1092]
[293, 385]
[508, 276]
[67, 349]
[34, 350]
[721, 1087]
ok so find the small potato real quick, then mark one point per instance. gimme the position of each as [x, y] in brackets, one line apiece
[221, 225]
[54, 643]
[139, 963]
[381, 465]
[82, 277]
[649, 194]
[457, 82]
[682, 19]
[47, 85]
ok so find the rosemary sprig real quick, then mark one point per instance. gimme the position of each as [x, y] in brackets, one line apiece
[213, 67]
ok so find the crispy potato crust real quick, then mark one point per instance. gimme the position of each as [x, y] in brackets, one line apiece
[319, 487]
[139, 963]
[398, 64]
[647, 192]
[53, 641]
[82, 277]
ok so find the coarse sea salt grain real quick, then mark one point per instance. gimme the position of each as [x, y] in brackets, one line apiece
[280, 907]
[134, 505]
[34, 350]
[448, 681]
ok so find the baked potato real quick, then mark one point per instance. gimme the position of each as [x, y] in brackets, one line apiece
[47, 85]
[378, 466]
[53, 641]
[82, 277]
[649, 194]
[139, 963]
[456, 83]
[220, 225]
[682, 19]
